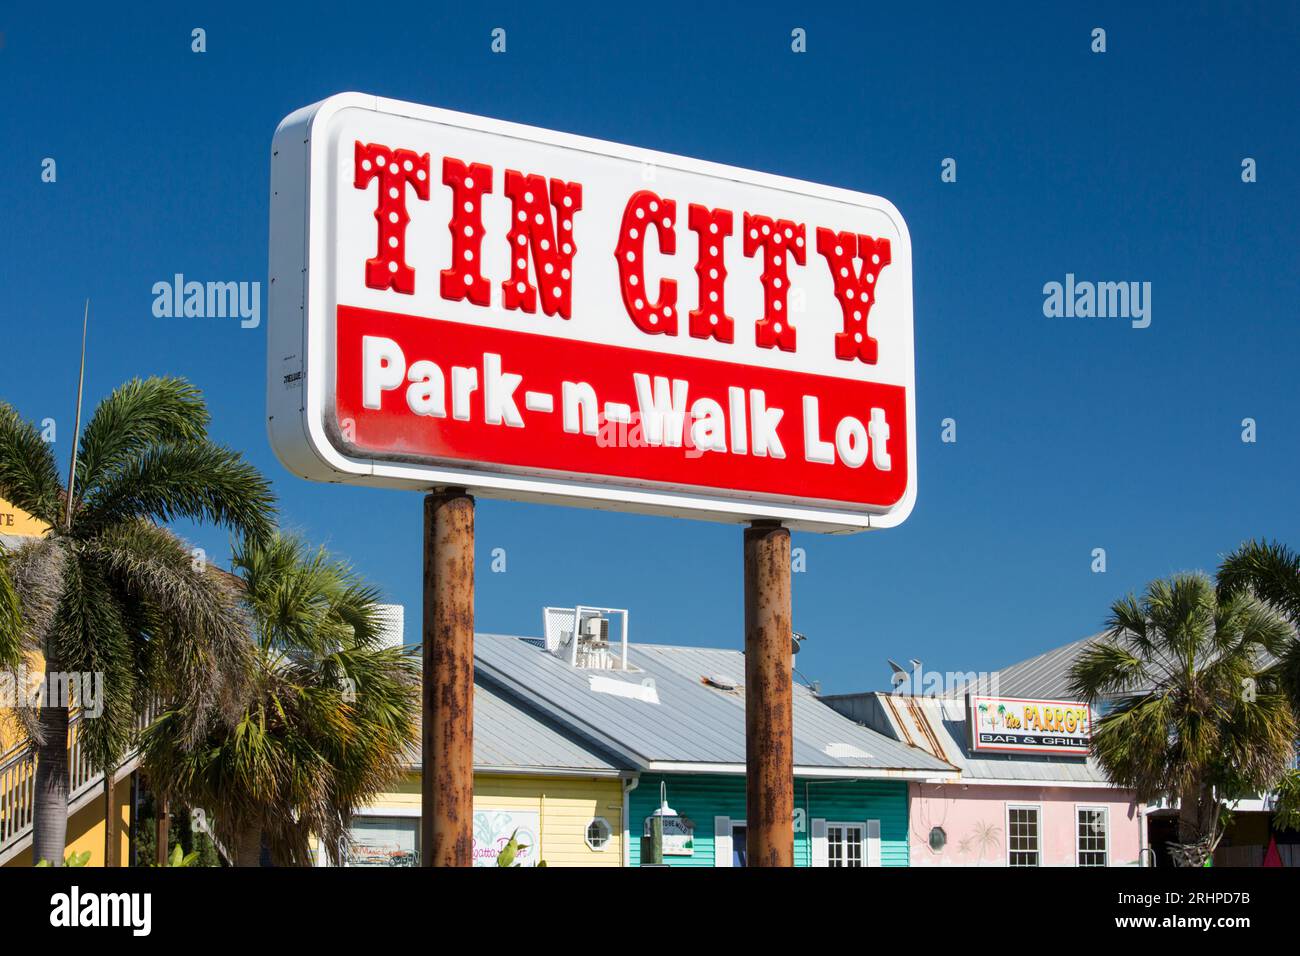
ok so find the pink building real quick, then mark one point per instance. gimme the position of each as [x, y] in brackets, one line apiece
[1006, 808]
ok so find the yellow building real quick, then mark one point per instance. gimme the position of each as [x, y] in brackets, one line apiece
[563, 797]
[18, 523]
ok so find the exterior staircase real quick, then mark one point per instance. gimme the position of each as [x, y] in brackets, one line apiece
[18, 786]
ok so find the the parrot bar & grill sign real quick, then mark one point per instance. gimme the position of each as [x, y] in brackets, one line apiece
[1018, 725]
[457, 301]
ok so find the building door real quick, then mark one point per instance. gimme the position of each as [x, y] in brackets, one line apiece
[739, 853]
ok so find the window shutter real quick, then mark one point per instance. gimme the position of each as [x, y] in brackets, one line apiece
[820, 857]
[873, 843]
[722, 841]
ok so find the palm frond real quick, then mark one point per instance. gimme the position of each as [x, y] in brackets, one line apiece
[11, 618]
[198, 480]
[89, 637]
[1287, 809]
[1270, 570]
[1107, 667]
[136, 416]
[29, 476]
[197, 655]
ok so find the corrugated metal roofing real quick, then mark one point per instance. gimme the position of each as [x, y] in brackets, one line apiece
[512, 736]
[508, 734]
[1046, 676]
[692, 723]
[939, 724]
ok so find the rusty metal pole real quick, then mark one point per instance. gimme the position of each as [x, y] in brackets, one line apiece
[769, 720]
[447, 731]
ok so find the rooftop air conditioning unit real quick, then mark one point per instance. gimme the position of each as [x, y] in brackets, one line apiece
[580, 635]
[596, 629]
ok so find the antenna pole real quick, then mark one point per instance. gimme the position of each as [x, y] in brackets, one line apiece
[76, 430]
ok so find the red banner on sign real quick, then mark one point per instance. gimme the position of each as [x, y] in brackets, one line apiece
[428, 390]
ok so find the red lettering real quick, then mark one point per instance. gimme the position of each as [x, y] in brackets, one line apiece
[778, 239]
[395, 169]
[855, 288]
[645, 210]
[464, 280]
[533, 229]
[710, 320]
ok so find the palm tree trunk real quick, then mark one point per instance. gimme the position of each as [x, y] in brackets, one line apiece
[50, 811]
[1197, 814]
[161, 832]
[1189, 815]
[248, 847]
[110, 820]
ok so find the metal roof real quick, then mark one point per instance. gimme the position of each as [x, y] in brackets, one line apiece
[938, 724]
[510, 736]
[1046, 676]
[689, 725]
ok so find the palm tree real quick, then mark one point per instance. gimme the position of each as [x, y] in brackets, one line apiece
[1173, 667]
[330, 720]
[109, 591]
[11, 618]
[1271, 572]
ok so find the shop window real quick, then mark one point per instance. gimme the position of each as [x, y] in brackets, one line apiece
[1024, 839]
[1093, 826]
[845, 843]
[384, 841]
[598, 833]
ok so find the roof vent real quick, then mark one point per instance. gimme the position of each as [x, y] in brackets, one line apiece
[720, 681]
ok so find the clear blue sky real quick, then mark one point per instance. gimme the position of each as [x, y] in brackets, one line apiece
[1073, 434]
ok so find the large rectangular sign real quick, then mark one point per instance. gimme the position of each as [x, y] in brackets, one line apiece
[1019, 725]
[533, 315]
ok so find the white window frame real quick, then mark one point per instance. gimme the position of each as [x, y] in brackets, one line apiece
[1105, 813]
[1006, 821]
[861, 827]
[609, 834]
[820, 840]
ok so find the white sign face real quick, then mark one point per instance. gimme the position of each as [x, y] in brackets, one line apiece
[492, 832]
[678, 835]
[1019, 725]
[458, 301]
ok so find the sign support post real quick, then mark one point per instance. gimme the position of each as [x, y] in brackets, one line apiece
[447, 725]
[769, 721]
